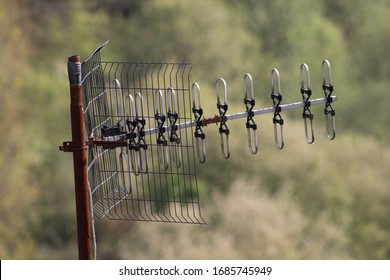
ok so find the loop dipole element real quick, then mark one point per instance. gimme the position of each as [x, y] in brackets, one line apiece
[159, 103]
[222, 109]
[306, 93]
[276, 99]
[172, 118]
[141, 157]
[198, 113]
[250, 123]
[329, 110]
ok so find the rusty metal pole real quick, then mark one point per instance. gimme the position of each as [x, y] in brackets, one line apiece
[79, 149]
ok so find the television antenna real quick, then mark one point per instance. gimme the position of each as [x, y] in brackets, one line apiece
[138, 132]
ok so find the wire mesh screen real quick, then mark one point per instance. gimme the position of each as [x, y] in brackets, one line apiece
[141, 167]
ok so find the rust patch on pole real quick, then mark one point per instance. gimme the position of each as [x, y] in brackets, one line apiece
[215, 119]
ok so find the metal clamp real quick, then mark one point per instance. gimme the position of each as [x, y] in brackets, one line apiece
[277, 98]
[306, 93]
[198, 112]
[250, 124]
[222, 108]
[329, 110]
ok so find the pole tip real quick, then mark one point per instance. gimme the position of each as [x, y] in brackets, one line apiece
[74, 70]
[74, 58]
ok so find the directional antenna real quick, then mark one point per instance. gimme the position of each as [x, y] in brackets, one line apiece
[146, 133]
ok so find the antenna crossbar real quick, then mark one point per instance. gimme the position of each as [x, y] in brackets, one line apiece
[120, 140]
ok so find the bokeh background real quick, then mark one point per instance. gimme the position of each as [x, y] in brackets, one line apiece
[329, 200]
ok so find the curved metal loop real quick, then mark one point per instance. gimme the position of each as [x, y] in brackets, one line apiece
[125, 180]
[131, 119]
[306, 93]
[248, 76]
[139, 106]
[250, 125]
[159, 102]
[142, 158]
[309, 139]
[277, 98]
[117, 92]
[135, 161]
[329, 110]
[196, 85]
[201, 156]
[275, 72]
[163, 156]
[252, 149]
[327, 63]
[172, 101]
[279, 145]
[330, 132]
[130, 111]
[162, 151]
[173, 115]
[222, 108]
[305, 68]
[176, 155]
[198, 112]
[226, 154]
[224, 90]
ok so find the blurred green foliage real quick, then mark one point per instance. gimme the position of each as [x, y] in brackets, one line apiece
[325, 201]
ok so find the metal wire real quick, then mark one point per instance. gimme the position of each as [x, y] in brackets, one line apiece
[129, 183]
